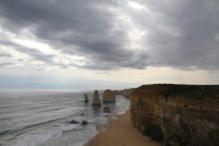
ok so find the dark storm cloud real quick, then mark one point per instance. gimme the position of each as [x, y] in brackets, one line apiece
[85, 28]
[39, 56]
[183, 34]
[179, 34]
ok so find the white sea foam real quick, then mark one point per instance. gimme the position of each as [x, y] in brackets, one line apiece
[33, 119]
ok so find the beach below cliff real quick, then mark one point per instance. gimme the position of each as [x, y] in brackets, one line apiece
[120, 132]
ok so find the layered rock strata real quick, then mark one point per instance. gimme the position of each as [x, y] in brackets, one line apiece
[125, 92]
[96, 99]
[109, 96]
[179, 115]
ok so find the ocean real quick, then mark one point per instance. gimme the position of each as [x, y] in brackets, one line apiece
[42, 118]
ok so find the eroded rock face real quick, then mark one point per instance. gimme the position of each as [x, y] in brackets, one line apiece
[179, 115]
[86, 99]
[125, 92]
[84, 122]
[109, 96]
[106, 109]
[96, 99]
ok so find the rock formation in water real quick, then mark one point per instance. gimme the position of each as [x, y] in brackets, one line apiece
[74, 122]
[125, 92]
[179, 115]
[96, 99]
[86, 99]
[84, 122]
[106, 109]
[109, 96]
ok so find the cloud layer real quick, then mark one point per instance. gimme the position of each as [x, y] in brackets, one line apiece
[111, 34]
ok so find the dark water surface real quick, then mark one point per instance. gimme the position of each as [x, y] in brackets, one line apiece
[41, 118]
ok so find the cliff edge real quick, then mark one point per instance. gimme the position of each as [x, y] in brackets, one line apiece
[125, 92]
[179, 115]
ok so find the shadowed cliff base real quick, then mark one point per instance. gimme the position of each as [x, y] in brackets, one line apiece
[179, 115]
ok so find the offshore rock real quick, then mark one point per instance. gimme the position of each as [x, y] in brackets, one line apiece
[109, 96]
[179, 115]
[96, 100]
[86, 99]
[106, 109]
[84, 122]
[74, 122]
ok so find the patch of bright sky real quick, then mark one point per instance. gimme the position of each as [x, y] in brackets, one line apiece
[28, 40]
[152, 75]
[125, 22]
[135, 5]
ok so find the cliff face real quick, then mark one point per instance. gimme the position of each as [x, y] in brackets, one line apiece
[125, 92]
[179, 115]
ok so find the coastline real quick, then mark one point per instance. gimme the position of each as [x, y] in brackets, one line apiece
[120, 132]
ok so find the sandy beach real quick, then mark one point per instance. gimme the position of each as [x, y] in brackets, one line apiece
[120, 132]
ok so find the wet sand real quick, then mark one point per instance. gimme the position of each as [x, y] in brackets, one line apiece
[120, 132]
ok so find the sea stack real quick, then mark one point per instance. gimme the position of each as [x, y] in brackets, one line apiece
[109, 96]
[106, 109]
[86, 98]
[96, 100]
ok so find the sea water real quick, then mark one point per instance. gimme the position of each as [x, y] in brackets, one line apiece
[42, 118]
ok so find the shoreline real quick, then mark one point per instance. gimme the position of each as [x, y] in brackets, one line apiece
[120, 132]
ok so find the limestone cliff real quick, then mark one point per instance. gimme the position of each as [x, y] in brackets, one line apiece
[96, 99]
[179, 115]
[109, 96]
[125, 92]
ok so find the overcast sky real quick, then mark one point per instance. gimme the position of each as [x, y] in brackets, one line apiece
[87, 44]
